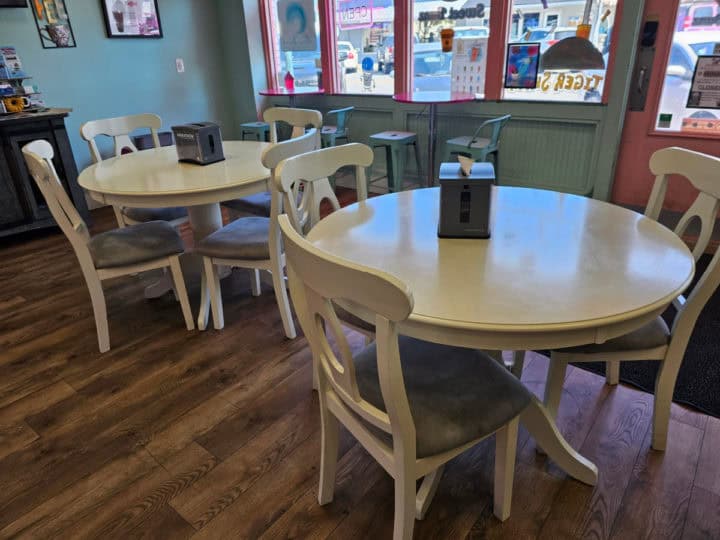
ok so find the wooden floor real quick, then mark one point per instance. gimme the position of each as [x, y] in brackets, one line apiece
[176, 434]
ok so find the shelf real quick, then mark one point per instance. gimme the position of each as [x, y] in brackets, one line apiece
[2, 96]
[14, 78]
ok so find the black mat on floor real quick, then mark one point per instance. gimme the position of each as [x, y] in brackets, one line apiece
[698, 383]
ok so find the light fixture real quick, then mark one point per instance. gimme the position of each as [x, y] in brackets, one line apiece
[574, 53]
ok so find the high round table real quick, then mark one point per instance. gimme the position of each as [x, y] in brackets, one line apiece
[433, 99]
[154, 178]
[559, 270]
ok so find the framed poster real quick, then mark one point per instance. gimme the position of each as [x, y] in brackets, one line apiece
[297, 25]
[468, 65]
[521, 68]
[131, 19]
[705, 88]
[53, 24]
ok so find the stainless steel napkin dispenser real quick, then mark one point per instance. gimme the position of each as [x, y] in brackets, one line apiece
[465, 200]
[200, 143]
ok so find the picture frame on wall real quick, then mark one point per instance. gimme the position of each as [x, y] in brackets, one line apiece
[522, 65]
[53, 24]
[132, 19]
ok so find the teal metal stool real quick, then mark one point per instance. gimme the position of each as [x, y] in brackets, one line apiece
[476, 147]
[329, 135]
[260, 130]
[395, 144]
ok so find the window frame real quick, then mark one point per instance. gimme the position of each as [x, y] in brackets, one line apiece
[499, 23]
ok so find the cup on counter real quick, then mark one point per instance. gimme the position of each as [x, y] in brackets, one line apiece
[446, 37]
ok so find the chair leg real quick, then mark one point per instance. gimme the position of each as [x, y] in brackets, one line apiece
[119, 216]
[390, 169]
[427, 491]
[505, 449]
[404, 520]
[518, 363]
[554, 385]
[99, 311]
[417, 163]
[328, 453]
[255, 282]
[213, 285]
[612, 373]
[283, 303]
[664, 388]
[181, 292]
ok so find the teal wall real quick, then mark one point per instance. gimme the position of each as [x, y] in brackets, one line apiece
[104, 77]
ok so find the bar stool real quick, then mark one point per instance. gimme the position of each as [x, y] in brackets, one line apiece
[395, 144]
[260, 130]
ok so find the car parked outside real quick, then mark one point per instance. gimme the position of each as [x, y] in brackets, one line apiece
[432, 67]
[698, 16]
[351, 56]
[547, 36]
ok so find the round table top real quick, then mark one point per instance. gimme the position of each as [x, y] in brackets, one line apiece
[294, 92]
[553, 262]
[439, 96]
[157, 172]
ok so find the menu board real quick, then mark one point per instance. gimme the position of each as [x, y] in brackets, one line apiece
[468, 65]
[705, 88]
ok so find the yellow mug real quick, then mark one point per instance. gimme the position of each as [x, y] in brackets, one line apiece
[16, 103]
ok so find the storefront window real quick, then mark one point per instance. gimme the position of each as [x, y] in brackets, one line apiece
[296, 37]
[546, 23]
[463, 69]
[692, 107]
[365, 46]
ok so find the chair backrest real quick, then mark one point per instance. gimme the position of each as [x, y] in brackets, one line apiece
[703, 172]
[343, 117]
[497, 124]
[312, 169]
[299, 119]
[119, 129]
[320, 278]
[38, 157]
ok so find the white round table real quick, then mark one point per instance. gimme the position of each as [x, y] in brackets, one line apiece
[559, 270]
[154, 178]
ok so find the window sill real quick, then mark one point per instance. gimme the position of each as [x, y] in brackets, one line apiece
[683, 134]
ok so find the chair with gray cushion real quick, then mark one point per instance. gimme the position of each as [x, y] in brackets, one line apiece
[413, 405]
[120, 129]
[128, 250]
[258, 204]
[654, 340]
[252, 242]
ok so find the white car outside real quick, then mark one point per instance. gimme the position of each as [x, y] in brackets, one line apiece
[351, 62]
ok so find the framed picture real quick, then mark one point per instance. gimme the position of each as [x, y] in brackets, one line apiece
[132, 19]
[523, 60]
[53, 24]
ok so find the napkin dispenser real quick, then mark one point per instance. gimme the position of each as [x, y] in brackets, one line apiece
[465, 198]
[199, 143]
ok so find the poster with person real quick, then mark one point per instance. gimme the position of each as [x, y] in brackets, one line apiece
[297, 25]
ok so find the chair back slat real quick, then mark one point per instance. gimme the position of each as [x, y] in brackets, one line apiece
[343, 117]
[299, 119]
[38, 157]
[322, 278]
[497, 124]
[312, 170]
[703, 172]
[119, 129]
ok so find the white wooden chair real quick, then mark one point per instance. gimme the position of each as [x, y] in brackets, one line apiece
[655, 341]
[259, 204]
[119, 129]
[413, 405]
[312, 169]
[111, 254]
[252, 242]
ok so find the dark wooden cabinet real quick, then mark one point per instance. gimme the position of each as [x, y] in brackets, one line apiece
[22, 206]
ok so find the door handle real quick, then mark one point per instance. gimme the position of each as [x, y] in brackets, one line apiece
[641, 80]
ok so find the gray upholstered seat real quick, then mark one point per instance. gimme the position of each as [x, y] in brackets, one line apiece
[654, 334]
[141, 215]
[244, 238]
[456, 395]
[345, 316]
[134, 244]
[257, 204]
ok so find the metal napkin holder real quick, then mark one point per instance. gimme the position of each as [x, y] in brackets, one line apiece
[465, 199]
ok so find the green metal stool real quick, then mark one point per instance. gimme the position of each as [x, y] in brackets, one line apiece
[261, 130]
[395, 144]
[476, 147]
[330, 134]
